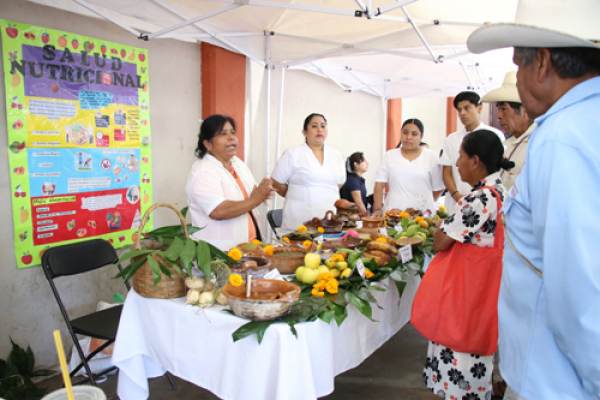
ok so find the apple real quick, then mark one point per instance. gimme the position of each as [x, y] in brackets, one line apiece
[312, 260]
[45, 37]
[75, 44]
[11, 31]
[103, 48]
[310, 276]
[335, 272]
[27, 258]
[142, 57]
[106, 78]
[300, 272]
[123, 53]
[55, 87]
[330, 263]
[323, 270]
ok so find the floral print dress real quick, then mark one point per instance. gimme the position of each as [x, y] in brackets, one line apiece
[450, 374]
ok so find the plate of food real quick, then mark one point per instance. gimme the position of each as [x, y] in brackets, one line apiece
[78, 134]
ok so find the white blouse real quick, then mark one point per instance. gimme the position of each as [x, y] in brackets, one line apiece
[411, 183]
[312, 187]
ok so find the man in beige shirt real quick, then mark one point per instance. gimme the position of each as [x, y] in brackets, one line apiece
[513, 120]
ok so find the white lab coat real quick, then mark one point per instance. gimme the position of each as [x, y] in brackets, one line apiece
[208, 185]
[312, 187]
[411, 183]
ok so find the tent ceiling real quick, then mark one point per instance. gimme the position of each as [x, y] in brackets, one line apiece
[384, 47]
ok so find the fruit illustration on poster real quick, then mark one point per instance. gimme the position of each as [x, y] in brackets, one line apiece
[145, 87]
[110, 240]
[103, 48]
[71, 225]
[107, 78]
[29, 35]
[142, 57]
[75, 43]
[16, 147]
[114, 51]
[62, 41]
[23, 236]
[16, 79]
[15, 103]
[27, 258]
[12, 31]
[45, 37]
[19, 170]
[81, 232]
[19, 192]
[146, 197]
[134, 236]
[123, 53]
[92, 224]
[55, 88]
[17, 125]
[43, 251]
[23, 215]
[88, 46]
[131, 56]
[121, 238]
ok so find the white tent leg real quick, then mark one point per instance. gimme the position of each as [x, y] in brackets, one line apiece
[268, 66]
[385, 114]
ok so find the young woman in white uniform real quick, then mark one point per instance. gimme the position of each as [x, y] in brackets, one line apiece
[309, 176]
[412, 173]
[221, 190]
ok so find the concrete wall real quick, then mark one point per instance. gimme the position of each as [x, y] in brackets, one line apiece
[432, 112]
[29, 313]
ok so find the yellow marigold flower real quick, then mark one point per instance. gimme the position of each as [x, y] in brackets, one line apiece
[235, 253]
[286, 239]
[321, 230]
[269, 250]
[419, 219]
[337, 257]
[320, 285]
[403, 214]
[442, 208]
[256, 242]
[307, 243]
[235, 280]
[332, 286]
[368, 273]
[325, 276]
[301, 228]
[315, 292]
[381, 240]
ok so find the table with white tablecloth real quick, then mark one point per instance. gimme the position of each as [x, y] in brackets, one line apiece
[196, 345]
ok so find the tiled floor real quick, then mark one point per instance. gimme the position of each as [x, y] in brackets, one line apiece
[392, 372]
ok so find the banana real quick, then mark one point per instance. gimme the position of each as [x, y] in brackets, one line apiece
[379, 260]
[380, 246]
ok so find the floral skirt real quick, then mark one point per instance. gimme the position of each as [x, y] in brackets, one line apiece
[458, 376]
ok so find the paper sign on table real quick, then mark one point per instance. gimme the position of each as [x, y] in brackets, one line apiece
[405, 254]
[274, 274]
[319, 239]
[399, 228]
[383, 231]
[361, 268]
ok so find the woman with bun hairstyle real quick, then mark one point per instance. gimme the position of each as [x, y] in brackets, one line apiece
[309, 176]
[472, 223]
[412, 173]
[355, 190]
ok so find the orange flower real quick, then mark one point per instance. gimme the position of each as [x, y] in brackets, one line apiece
[315, 292]
[256, 242]
[286, 239]
[320, 230]
[403, 214]
[332, 286]
[235, 280]
[419, 219]
[381, 240]
[442, 208]
[235, 253]
[306, 244]
[301, 228]
[337, 257]
[269, 250]
[325, 276]
[320, 285]
[368, 273]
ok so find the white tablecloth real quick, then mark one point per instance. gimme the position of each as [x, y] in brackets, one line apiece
[158, 335]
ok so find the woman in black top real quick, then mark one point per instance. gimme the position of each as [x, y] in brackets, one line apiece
[354, 189]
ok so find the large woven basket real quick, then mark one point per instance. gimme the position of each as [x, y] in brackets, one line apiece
[143, 280]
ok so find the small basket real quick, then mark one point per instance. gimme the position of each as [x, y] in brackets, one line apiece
[143, 279]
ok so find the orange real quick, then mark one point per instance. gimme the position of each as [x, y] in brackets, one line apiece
[423, 224]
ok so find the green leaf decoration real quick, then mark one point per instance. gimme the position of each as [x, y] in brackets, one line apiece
[340, 314]
[174, 250]
[165, 270]
[203, 257]
[251, 328]
[361, 305]
[184, 211]
[118, 298]
[134, 253]
[214, 252]
[20, 359]
[187, 255]
[129, 270]
[155, 270]
[326, 316]
[400, 285]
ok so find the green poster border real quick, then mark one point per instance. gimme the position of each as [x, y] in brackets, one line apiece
[26, 253]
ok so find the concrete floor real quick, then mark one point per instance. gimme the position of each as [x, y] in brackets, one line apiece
[393, 372]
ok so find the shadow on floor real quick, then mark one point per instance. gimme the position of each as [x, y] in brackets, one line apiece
[393, 372]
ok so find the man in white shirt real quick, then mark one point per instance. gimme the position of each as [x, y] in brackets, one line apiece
[468, 107]
[514, 121]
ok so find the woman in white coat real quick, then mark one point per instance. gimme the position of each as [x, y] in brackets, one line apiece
[309, 176]
[412, 173]
[221, 190]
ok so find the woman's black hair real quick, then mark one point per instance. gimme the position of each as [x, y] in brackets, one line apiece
[357, 157]
[488, 147]
[416, 122]
[210, 127]
[310, 117]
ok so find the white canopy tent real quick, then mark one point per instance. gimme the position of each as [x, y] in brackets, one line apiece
[387, 48]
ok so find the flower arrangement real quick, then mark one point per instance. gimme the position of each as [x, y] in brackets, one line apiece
[306, 244]
[302, 228]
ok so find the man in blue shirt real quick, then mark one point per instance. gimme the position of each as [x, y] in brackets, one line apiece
[549, 305]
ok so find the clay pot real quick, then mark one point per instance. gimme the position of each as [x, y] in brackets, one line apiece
[372, 222]
[258, 267]
[287, 264]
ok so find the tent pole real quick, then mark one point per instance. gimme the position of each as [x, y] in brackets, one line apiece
[416, 28]
[278, 139]
[385, 113]
[107, 17]
[268, 67]
[193, 20]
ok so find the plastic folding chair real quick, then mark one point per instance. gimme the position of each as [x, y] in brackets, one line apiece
[275, 217]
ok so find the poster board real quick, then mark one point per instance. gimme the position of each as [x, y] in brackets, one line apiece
[78, 118]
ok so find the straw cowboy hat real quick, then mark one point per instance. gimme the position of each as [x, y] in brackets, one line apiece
[548, 23]
[506, 92]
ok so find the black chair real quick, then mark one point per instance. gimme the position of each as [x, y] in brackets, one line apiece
[74, 259]
[275, 217]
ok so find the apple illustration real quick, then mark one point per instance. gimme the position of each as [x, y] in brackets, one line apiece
[103, 48]
[145, 160]
[19, 170]
[27, 258]
[106, 78]
[12, 31]
[55, 88]
[123, 53]
[45, 37]
[142, 57]
[17, 125]
[75, 44]
[144, 122]
[121, 238]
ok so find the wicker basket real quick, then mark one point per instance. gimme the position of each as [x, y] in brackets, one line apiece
[143, 279]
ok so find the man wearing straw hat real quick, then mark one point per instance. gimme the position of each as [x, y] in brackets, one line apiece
[549, 305]
[514, 121]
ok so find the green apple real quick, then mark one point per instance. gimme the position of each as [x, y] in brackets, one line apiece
[300, 272]
[312, 260]
[310, 276]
